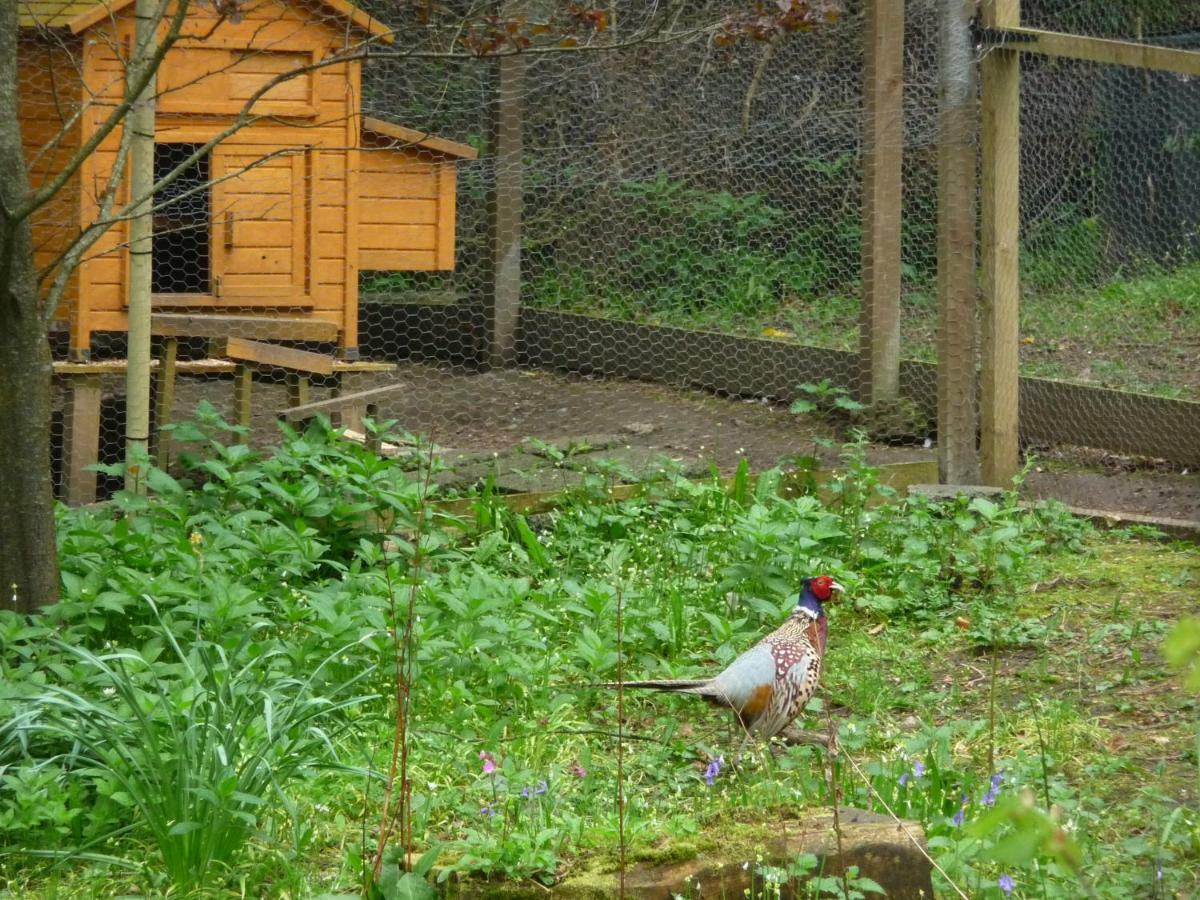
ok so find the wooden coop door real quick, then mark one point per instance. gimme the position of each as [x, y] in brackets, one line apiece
[261, 234]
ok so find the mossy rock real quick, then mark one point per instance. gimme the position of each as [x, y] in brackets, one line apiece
[886, 850]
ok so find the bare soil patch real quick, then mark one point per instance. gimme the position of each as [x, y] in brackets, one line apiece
[491, 414]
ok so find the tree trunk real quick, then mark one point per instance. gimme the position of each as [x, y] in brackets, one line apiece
[28, 555]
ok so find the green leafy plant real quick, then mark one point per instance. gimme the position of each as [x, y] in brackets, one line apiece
[194, 749]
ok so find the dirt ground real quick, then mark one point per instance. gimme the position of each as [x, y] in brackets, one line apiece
[483, 420]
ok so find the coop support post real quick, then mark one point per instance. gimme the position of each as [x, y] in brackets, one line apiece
[506, 212]
[883, 152]
[165, 401]
[1000, 230]
[140, 122]
[243, 387]
[956, 342]
[81, 438]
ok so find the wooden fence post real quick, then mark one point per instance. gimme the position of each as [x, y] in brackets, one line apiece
[141, 124]
[1001, 199]
[956, 341]
[883, 154]
[500, 328]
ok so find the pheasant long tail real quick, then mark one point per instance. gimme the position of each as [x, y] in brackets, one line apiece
[683, 685]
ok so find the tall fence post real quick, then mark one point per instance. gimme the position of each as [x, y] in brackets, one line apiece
[883, 154]
[506, 212]
[956, 341]
[140, 122]
[1001, 199]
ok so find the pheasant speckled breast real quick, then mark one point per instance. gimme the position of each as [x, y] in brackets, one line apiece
[769, 685]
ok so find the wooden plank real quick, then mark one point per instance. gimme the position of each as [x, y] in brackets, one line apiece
[417, 138]
[1094, 49]
[397, 260]
[353, 207]
[81, 439]
[273, 355]
[883, 153]
[1000, 232]
[301, 237]
[412, 212]
[398, 236]
[268, 328]
[399, 186]
[362, 365]
[165, 408]
[447, 214]
[956, 341]
[338, 404]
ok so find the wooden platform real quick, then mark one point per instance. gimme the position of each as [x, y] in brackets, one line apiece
[83, 384]
[265, 328]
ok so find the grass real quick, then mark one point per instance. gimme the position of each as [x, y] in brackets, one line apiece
[513, 750]
[1135, 329]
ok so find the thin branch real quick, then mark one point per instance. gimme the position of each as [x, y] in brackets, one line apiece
[42, 195]
[756, 79]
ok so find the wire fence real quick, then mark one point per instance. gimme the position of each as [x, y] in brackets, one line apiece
[640, 247]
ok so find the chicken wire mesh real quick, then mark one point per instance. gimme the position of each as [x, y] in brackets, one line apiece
[629, 254]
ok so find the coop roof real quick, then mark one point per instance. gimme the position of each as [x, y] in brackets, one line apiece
[80, 15]
[416, 138]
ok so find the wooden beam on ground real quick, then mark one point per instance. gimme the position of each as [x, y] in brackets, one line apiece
[362, 366]
[272, 355]
[267, 328]
[338, 404]
[1001, 204]
[883, 154]
[81, 439]
[956, 341]
[165, 406]
[1093, 49]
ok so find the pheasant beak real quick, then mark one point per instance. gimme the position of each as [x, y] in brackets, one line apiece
[836, 589]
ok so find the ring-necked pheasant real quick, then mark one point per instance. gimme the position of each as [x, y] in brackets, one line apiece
[769, 685]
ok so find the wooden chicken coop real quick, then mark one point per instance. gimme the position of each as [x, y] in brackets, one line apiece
[280, 216]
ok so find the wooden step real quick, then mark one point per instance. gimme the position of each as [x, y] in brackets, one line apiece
[273, 355]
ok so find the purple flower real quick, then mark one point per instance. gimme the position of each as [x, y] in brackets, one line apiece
[1006, 884]
[489, 762]
[961, 815]
[487, 811]
[713, 770]
[578, 771]
[534, 792]
[918, 768]
[989, 799]
[904, 779]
